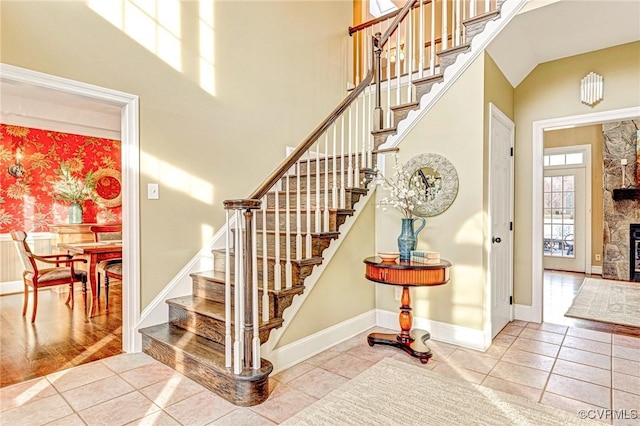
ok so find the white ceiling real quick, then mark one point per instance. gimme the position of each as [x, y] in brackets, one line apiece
[548, 30]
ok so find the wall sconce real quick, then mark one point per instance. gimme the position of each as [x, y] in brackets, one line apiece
[591, 88]
[392, 55]
[16, 170]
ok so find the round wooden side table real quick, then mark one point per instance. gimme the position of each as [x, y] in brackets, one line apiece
[407, 274]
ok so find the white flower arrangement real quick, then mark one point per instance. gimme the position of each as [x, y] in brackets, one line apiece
[407, 189]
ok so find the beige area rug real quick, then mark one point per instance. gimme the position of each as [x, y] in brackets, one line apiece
[392, 392]
[616, 302]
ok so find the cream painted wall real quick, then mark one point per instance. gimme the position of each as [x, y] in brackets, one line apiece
[342, 292]
[586, 135]
[551, 91]
[454, 128]
[270, 59]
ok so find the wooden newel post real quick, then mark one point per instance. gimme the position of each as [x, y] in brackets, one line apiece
[378, 116]
[247, 206]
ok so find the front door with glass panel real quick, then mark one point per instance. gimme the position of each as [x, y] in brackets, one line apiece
[564, 219]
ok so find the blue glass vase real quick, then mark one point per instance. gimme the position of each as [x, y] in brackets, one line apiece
[408, 238]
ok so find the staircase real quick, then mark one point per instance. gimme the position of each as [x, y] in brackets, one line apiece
[278, 235]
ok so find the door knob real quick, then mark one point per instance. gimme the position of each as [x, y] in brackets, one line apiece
[496, 240]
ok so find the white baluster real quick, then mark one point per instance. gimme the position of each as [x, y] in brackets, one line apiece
[265, 265]
[343, 192]
[369, 127]
[298, 213]
[227, 296]
[398, 71]
[409, 57]
[287, 231]
[487, 6]
[457, 12]
[318, 212]
[356, 162]
[432, 50]
[254, 296]
[277, 268]
[388, 107]
[334, 186]
[421, 41]
[325, 215]
[472, 8]
[445, 26]
[308, 227]
[365, 130]
[350, 159]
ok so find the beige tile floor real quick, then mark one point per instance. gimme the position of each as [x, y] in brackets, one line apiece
[565, 367]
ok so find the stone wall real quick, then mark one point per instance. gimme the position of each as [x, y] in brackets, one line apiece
[620, 141]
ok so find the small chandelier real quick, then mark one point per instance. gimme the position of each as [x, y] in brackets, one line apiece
[16, 170]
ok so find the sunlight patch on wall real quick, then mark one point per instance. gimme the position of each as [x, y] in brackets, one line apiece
[206, 231]
[154, 24]
[207, 47]
[471, 231]
[176, 178]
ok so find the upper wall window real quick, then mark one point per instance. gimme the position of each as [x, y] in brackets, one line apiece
[378, 8]
[566, 159]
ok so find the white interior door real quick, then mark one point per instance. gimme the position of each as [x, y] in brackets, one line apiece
[564, 217]
[501, 219]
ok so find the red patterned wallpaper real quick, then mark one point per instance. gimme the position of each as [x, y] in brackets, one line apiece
[28, 202]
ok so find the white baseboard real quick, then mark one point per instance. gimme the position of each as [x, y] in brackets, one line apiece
[523, 313]
[11, 287]
[448, 333]
[298, 351]
[596, 270]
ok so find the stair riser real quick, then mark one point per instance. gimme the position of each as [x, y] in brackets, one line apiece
[293, 182]
[217, 379]
[298, 273]
[350, 199]
[318, 245]
[338, 163]
[400, 114]
[216, 291]
[204, 326]
[282, 219]
[422, 88]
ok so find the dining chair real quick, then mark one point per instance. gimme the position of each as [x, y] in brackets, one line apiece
[36, 277]
[107, 233]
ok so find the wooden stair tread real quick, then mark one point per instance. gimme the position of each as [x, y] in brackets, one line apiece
[211, 308]
[218, 277]
[203, 350]
[408, 105]
[302, 262]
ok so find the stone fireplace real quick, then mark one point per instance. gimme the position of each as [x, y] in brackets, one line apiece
[621, 201]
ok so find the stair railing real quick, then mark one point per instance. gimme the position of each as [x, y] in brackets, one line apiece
[304, 196]
[431, 28]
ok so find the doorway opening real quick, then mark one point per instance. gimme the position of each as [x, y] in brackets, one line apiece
[129, 131]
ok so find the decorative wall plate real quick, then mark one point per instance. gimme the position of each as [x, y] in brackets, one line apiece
[108, 187]
[435, 168]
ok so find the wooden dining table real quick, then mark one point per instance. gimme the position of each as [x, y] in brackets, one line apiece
[94, 253]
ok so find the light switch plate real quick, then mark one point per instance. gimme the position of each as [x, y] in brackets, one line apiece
[153, 191]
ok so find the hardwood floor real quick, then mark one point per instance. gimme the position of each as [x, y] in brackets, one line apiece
[60, 338]
[560, 288]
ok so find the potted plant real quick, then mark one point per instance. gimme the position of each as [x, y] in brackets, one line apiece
[74, 190]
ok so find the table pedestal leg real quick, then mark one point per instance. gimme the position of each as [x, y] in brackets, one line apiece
[411, 341]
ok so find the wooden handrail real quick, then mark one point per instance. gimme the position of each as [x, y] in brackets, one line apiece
[389, 15]
[291, 160]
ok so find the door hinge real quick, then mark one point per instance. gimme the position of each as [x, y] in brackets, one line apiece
[511, 151]
[511, 300]
[510, 226]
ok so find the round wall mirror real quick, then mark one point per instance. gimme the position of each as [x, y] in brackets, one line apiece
[436, 176]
